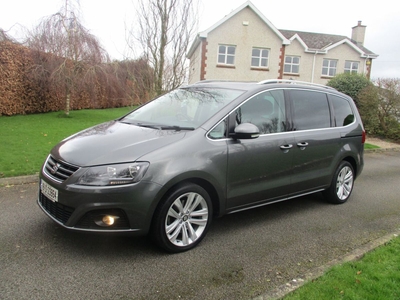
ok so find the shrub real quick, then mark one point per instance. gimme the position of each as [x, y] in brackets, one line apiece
[350, 84]
[379, 107]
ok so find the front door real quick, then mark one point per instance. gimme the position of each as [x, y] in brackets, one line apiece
[259, 169]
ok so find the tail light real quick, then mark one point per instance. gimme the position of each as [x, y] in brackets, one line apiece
[363, 137]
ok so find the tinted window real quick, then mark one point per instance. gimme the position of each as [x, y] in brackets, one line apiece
[266, 111]
[342, 110]
[310, 109]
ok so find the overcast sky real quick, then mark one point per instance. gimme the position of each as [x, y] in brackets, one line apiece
[106, 20]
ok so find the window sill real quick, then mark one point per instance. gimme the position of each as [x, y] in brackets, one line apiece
[292, 74]
[326, 77]
[259, 69]
[226, 66]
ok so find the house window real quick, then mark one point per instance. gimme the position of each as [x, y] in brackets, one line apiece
[329, 67]
[351, 66]
[259, 58]
[226, 54]
[292, 64]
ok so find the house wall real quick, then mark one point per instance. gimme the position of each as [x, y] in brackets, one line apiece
[311, 64]
[255, 34]
[306, 61]
[341, 54]
[195, 65]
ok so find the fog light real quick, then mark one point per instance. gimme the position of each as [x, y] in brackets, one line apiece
[106, 220]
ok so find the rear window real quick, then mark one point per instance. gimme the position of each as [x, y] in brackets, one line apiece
[342, 110]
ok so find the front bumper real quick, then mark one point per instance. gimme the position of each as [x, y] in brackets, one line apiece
[80, 207]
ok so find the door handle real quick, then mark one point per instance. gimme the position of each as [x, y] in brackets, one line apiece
[286, 148]
[302, 145]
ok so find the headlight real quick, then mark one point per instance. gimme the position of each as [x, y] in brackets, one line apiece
[114, 174]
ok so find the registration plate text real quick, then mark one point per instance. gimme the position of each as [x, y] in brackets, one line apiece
[49, 191]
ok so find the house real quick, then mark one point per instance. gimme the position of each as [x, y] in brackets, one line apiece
[246, 46]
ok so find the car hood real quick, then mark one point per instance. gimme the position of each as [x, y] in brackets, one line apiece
[112, 142]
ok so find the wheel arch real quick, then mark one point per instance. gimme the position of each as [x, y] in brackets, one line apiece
[215, 195]
[353, 163]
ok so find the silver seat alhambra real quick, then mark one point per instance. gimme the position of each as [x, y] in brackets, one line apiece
[202, 151]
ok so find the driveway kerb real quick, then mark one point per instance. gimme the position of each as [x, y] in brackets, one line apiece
[356, 254]
[9, 181]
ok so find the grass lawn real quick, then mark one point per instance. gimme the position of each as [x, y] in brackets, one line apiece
[370, 146]
[376, 276]
[25, 140]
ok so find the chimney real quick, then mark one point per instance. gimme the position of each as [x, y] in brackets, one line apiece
[358, 33]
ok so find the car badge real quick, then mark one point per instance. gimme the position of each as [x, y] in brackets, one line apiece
[55, 169]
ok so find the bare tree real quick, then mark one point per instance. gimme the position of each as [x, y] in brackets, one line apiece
[71, 47]
[4, 37]
[163, 29]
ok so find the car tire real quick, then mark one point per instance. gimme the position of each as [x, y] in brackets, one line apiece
[182, 219]
[342, 184]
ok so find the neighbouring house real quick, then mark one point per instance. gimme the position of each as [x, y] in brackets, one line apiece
[246, 46]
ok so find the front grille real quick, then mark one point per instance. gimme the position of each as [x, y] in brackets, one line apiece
[58, 170]
[88, 220]
[57, 210]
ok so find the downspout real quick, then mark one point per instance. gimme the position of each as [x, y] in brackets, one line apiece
[313, 67]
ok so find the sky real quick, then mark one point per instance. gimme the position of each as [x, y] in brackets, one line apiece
[109, 20]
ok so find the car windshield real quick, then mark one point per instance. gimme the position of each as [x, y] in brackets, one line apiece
[182, 109]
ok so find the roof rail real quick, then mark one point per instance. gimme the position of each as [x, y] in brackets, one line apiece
[212, 80]
[222, 80]
[290, 81]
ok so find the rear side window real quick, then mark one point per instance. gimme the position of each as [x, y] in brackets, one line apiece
[310, 110]
[342, 110]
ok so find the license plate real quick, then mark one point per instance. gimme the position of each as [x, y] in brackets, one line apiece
[49, 191]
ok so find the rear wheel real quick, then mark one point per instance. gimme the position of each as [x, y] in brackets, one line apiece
[342, 184]
[182, 219]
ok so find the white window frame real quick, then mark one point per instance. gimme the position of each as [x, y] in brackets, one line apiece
[352, 68]
[332, 66]
[226, 55]
[292, 64]
[261, 57]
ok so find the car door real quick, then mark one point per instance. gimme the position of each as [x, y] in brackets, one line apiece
[259, 169]
[317, 141]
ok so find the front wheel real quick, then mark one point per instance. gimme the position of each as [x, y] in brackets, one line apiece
[182, 219]
[342, 184]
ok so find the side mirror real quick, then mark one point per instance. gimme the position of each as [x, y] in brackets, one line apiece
[246, 131]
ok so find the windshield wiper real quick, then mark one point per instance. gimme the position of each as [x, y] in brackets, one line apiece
[153, 126]
[176, 128]
[164, 127]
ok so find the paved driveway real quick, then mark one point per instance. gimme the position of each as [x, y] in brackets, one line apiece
[243, 256]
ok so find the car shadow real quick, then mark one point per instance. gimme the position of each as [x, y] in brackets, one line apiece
[109, 245]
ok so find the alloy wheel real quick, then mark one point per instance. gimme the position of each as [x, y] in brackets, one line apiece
[344, 183]
[186, 219]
